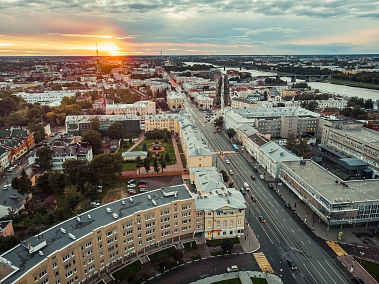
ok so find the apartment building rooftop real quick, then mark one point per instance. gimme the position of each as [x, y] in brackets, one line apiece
[110, 117]
[324, 182]
[33, 250]
[219, 198]
[275, 112]
[364, 134]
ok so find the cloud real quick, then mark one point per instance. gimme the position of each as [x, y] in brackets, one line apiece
[248, 32]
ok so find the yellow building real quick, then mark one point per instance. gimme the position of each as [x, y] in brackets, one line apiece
[162, 121]
[175, 101]
[81, 247]
[289, 93]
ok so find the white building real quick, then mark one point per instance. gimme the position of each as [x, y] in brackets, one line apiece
[138, 108]
[50, 98]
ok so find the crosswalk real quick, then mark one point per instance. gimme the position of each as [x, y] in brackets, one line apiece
[336, 248]
[263, 262]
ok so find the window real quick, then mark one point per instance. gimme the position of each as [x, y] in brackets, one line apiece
[55, 265]
[66, 257]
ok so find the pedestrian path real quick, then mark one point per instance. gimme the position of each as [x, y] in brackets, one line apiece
[336, 248]
[263, 262]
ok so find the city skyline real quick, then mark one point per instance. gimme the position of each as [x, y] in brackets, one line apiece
[188, 28]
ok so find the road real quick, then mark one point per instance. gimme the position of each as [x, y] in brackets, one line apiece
[284, 236]
[206, 268]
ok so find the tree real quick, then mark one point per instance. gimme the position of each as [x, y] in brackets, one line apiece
[312, 105]
[15, 183]
[177, 254]
[8, 242]
[56, 181]
[73, 173]
[280, 104]
[162, 162]
[230, 132]
[139, 163]
[219, 121]
[227, 245]
[146, 164]
[225, 176]
[155, 164]
[93, 138]
[37, 129]
[42, 183]
[369, 104]
[167, 157]
[107, 166]
[24, 184]
[95, 124]
[116, 130]
[291, 143]
[44, 158]
[144, 147]
[165, 139]
[72, 195]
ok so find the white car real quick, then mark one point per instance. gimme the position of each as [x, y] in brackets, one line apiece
[227, 161]
[132, 185]
[232, 268]
[261, 177]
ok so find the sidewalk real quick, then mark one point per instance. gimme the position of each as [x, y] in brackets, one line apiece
[249, 242]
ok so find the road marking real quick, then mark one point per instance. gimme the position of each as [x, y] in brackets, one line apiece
[302, 242]
[262, 261]
[334, 271]
[284, 220]
[292, 231]
[309, 242]
[324, 271]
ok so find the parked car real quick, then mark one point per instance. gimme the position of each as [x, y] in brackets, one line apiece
[142, 182]
[132, 191]
[255, 169]
[131, 181]
[95, 203]
[243, 191]
[262, 219]
[227, 161]
[132, 185]
[5, 187]
[288, 205]
[232, 268]
[261, 177]
[230, 172]
[252, 177]
[253, 199]
[270, 186]
[143, 189]
[142, 186]
[292, 264]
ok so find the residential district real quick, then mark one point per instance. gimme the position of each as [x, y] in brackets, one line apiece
[188, 169]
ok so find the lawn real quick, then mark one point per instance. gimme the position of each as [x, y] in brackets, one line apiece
[129, 167]
[167, 145]
[371, 267]
[155, 257]
[170, 265]
[229, 281]
[190, 246]
[128, 270]
[257, 280]
[212, 243]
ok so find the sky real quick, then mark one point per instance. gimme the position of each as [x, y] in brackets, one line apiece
[188, 27]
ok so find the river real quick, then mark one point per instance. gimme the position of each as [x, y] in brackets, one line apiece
[323, 87]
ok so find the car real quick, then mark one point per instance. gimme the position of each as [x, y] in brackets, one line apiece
[292, 264]
[230, 172]
[253, 199]
[143, 189]
[5, 187]
[142, 186]
[95, 203]
[262, 219]
[227, 161]
[243, 191]
[132, 191]
[357, 280]
[270, 186]
[261, 177]
[232, 268]
[132, 185]
[252, 177]
[288, 205]
[10, 169]
[131, 181]
[255, 169]
[142, 182]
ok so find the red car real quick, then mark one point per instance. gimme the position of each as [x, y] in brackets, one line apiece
[142, 186]
[252, 177]
[132, 191]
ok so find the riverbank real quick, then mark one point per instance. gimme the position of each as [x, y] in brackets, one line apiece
[352, 84]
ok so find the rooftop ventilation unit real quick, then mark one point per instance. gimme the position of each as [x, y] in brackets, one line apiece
[63, 231]
[154, 202]
[72, 236]
[115, 215]
[109, 210]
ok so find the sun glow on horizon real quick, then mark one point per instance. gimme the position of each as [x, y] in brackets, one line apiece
[111, 48]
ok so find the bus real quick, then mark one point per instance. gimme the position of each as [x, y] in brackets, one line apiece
[235, 147]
